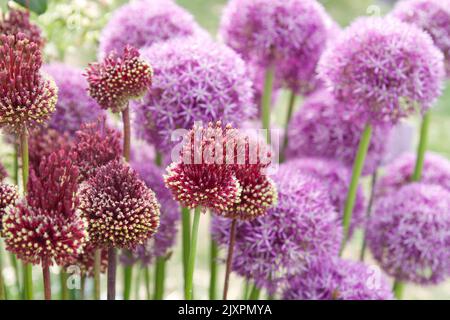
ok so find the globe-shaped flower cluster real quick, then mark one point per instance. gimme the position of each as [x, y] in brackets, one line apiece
[18, 21]
[8, 198]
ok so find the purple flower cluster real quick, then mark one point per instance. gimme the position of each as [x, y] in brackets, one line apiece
[383, 70]
[195, 80]
[146, 22]
[302, 227]
[288, 34]
[336, 177]
[319, 129]
[337, 279]
[409, 233]
[74, 107]
[433, 16]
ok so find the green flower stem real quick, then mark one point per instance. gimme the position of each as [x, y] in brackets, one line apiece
[2, 282]
[15, 265]
[147, 282]
[64, 294]
[127, 281]
[255, 293]
[186, 236]
[267, 100]
[27, 268]
[398, 289]
[83, 287]
[229, 258]
[213, 268]
[369, 211]
[137, 283]
[192, 253]
[356, 174]
[421, 148]
[160, 273]
[97, 266]
[286, 125]
[112, 266]
[245, 290]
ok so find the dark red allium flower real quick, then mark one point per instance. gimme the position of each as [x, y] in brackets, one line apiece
[119, 79]
[121, 211]
[86, 260]
[8, 198]
[18, 21]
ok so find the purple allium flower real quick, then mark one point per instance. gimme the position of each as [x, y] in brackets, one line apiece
[436, 170]
[144, 23]
[195, 80]
[119, 79]
[337, 279]
[319, 129]
[382, 70]
[26, 97]
[433, 16]
[201, 177]
[289, 34]
[8, 198]
[337, 178]
[121, 211]
[96, 145]
[409, 233]
[300, 228]
[18, 21]
[74, 107]
[47, 226]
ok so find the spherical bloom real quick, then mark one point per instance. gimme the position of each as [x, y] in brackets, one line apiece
[337, 178]
[8, 198]
[144, 23]
[433, 16]
[409, 233]
[86, 260]
[436, 170]
[383, 70]
[47, 226]
[74, 107]
[95, 146]
[202, 177]
[121, 211]
[119, 79]
[290, 35]
[302, 227]
[337, 279]
[319, 129]
[26, 97]
[195, 80]
[18, 21]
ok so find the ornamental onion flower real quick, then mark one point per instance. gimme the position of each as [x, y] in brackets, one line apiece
[74, 107]
[433, 16]
[409, 236]
[302, 227]
[146, 22]
[319, 129]
[195, 80]
[86, 260]
[8, 199]
[337, 279]
[18, 21]
[383, 70]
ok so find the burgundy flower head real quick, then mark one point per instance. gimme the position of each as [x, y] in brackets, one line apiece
[86, 260]
[201, 177]
[119, 79]
[18, 21]
[8, 198]
[121, 211]
[26, 97]
[47, 226]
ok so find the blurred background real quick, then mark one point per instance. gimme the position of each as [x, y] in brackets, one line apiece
[72, 29]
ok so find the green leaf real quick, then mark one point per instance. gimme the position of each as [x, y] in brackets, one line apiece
[37, 6]
[4, 5]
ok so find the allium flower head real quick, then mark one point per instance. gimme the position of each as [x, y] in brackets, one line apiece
[74, 107]
[144, 23]
[195, 80]
[121, 211]
[409, 233]
[8, 198]
[433, 16]
[18, 21]
[119, 79]
[436, 170]
[202, 177]
[319, 129]
[337, 279]
[47, 226]
[289, 34]
[300, 228]
[383, 70]
[86, 260]
[26, 97]
[336, 177]
[43, 142]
